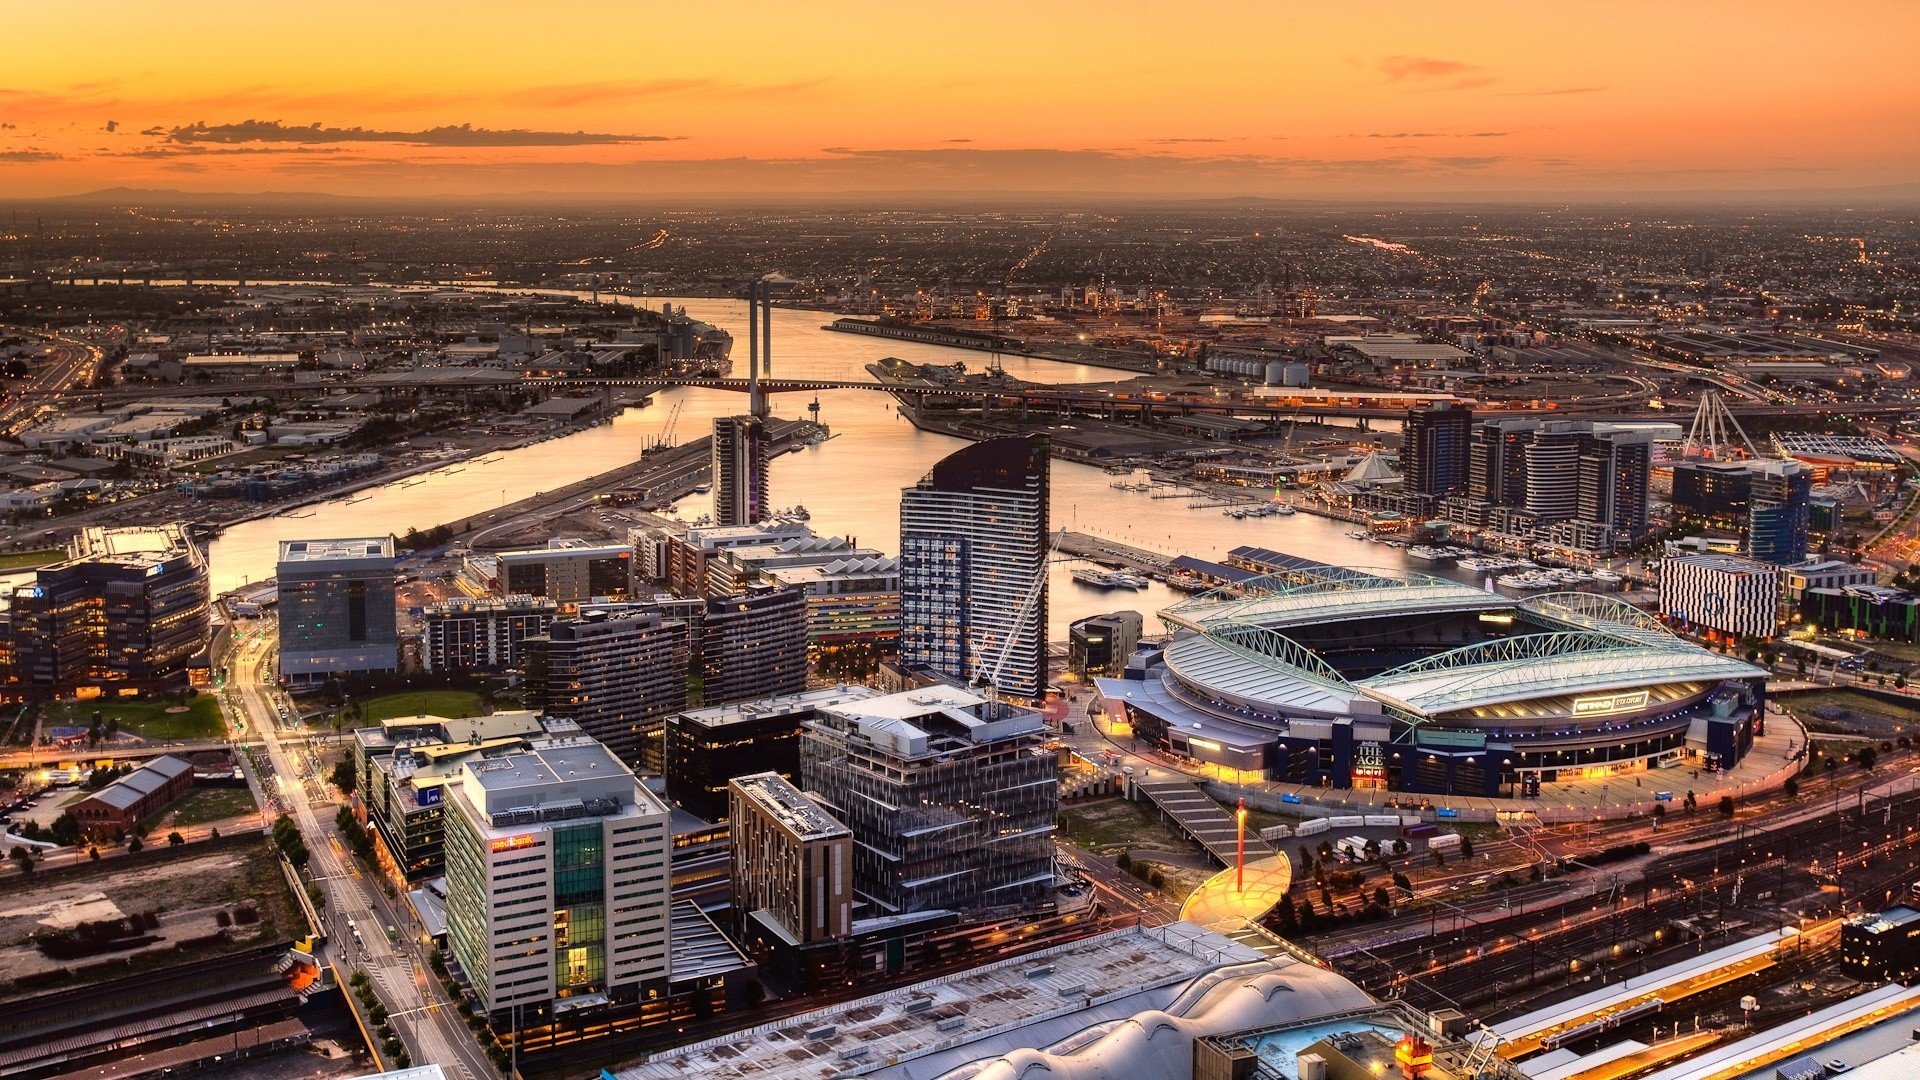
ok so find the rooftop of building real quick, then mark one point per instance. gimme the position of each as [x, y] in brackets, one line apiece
[1075, 999]
[554, 779]
[788, 705]
[909, 720]
[1879, 922]
[342, 550]
[1732, 564]
[878, 566]
[564, 547]
[137, 542]
[789, 806]
[138, 784]
[427, 730]
[728, 536]
[487, 605]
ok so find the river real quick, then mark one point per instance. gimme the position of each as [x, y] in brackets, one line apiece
[850, 484]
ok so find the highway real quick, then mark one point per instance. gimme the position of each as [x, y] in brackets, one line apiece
[73, 366]
[428, 1025]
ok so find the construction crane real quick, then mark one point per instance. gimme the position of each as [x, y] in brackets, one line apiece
[664, 440]
[990, 677]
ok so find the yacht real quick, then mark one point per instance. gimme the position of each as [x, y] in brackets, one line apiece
[1284, 509]
[1429, 554]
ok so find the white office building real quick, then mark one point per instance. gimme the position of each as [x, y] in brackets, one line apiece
[1722, 593]
[558, 888]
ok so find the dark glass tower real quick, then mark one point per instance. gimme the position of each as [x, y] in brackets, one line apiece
[973, 565]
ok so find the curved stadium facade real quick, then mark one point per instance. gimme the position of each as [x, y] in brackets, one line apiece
[1327, 676]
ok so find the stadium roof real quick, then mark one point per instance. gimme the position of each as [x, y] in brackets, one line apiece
[1592, 644]
[1582, 663]
[1296, 598]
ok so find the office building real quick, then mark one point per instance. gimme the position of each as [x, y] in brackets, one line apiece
[403, 766]
[688, 553]
[1874, 610]
[617, 675]
[557, 880]
[1579, 484]
[1497, 461]
[568, 571]
[1777, 511]
[1716, 492]
[337, 613]
[706, 748]
[951, 798]
[973, 566]
[1552, 460]
[754, 645]
[852, 592]
[482, 633]
[1822, 574]
[1435, 453]
[1725, 595]
[792, 863]
[740, 459]
[126, 605]
[1100, 644]
[1615, 468]
[1881, 945]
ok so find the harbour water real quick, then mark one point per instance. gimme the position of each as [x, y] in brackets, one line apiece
[850, 484]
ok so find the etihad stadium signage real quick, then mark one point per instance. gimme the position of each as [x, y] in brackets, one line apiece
[1605, 704]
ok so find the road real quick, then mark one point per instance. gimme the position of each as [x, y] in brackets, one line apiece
[72, 367]
[428, 1025]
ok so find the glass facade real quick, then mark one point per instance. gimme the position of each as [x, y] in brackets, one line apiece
[579, 909]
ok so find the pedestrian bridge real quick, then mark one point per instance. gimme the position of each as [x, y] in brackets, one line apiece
[1198, 817]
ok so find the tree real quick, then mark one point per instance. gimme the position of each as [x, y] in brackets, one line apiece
[1125, 861]
[1466, 846]
[1403, 883]
[93, 853]
[1381, 899]
[22, 858]
[1867, 756]
[66, 830]
[1659, 811]
[1726, 805]
[1399, 845]
[1792, 787]
[133, 845]
[174, 839]
[343, 777]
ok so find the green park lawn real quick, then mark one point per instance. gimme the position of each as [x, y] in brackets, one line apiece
[25, 560]
[201, 720]
[449, 703]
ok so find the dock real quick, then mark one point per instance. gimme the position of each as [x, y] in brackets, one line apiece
[1114, 553]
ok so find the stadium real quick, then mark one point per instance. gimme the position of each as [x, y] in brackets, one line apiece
[1396, 680]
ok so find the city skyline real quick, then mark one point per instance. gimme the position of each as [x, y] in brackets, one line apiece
[1401, 101]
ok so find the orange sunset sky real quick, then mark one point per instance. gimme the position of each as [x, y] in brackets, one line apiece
[1365, 98]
